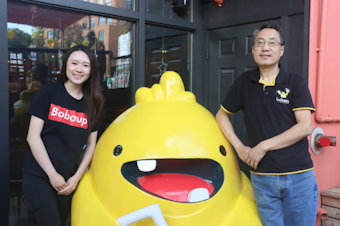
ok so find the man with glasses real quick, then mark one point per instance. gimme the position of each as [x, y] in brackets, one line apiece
[277, 109]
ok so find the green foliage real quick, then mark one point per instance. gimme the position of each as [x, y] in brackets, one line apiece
[20, 39]
[37, 32]
[38, 37]
[74, 35]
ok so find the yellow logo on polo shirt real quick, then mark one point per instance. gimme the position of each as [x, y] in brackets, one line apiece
[283, 95]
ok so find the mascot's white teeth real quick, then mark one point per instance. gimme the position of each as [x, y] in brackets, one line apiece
[198, 194]
[146, 165]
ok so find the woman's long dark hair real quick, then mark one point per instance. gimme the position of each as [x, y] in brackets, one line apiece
[92, 93]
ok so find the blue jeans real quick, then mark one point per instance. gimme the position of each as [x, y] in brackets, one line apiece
[286, 200]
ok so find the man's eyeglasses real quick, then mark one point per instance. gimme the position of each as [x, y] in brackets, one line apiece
[271, 43]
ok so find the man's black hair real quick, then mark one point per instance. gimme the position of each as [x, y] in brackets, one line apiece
[275, 26]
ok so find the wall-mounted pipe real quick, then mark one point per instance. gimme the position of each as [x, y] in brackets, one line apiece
[322, 214]
[319, 115]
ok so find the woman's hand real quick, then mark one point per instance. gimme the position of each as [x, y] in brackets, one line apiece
[57, 181]
[72, 183]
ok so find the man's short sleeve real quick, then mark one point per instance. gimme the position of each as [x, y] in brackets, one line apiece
[233, 100]
[41, 104]
[302, 99]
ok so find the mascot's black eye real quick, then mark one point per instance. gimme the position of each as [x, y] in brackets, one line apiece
[223, 151]
[118, 150]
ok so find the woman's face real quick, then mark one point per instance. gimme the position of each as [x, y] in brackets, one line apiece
[78, 67]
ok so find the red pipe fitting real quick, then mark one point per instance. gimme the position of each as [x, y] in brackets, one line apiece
[324, 141]
[219, 3]
[322, 214]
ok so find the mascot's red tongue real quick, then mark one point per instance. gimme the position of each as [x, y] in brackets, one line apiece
[173, 186]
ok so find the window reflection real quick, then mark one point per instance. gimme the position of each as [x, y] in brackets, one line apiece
[85, 24]
[166, 49]
[180, 9]
[93, 21]
[101, 20]
[37, 39]
[122, 4]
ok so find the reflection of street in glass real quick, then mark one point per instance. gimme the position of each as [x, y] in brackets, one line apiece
[123, 65]
[95, 45]
[122, 74]
[50, 33]
[20, 121]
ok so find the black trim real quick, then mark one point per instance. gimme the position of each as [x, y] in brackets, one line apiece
[90, 8]
[4, 118]
[258, 17]
[140, 49]
[305, 67]
[173, 23]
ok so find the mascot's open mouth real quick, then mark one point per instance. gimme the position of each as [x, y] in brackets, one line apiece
[179, 180]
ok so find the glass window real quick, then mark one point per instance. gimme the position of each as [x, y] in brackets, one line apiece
[101, 36]
[128, 4]
[122, 4]
[50, 34]
[101, 20]
[167, 49]
[34, 58]
[109, 21]
[93, 21]
[169, 9]
[85, 25]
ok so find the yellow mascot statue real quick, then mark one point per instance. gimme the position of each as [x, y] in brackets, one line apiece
[162, 162]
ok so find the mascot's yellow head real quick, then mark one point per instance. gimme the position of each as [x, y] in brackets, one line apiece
[161, 151]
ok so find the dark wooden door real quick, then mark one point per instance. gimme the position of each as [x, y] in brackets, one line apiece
[174, 58]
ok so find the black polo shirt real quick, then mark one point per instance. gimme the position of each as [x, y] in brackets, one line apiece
[269, 111]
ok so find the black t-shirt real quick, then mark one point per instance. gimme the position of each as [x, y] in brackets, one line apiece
[269, 111]
[65, 129]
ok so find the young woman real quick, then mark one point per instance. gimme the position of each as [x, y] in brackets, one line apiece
[64, 122]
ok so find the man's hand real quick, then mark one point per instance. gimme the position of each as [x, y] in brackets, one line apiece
[243, 153]
[255, 155]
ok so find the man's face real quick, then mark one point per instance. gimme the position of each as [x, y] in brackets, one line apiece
[267, 55]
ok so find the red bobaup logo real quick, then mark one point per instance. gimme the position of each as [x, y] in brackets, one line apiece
[67, 116]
